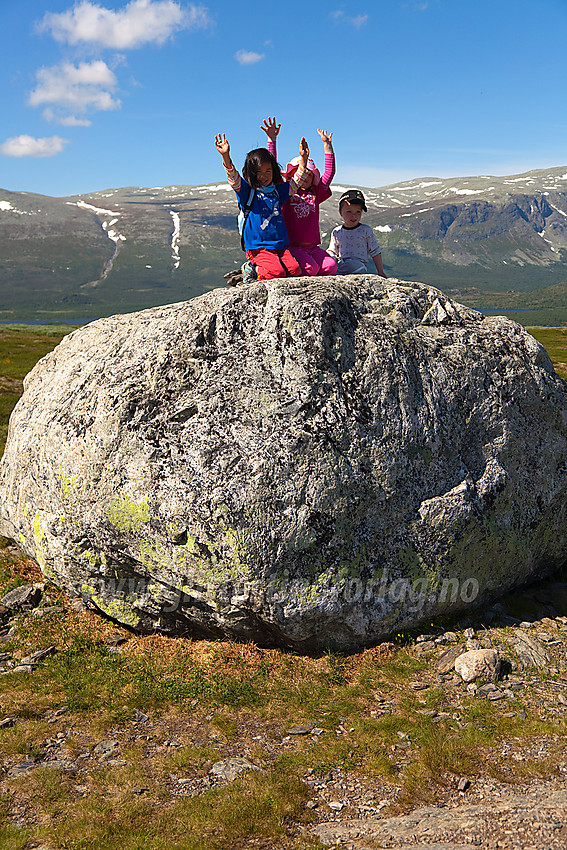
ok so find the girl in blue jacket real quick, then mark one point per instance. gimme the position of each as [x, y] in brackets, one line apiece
[264, 234]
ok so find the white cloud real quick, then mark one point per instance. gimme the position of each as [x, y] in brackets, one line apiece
[74, 90]
[139, 22]
[357, 22]
[65, 120]
[248, 57]
[28, 146]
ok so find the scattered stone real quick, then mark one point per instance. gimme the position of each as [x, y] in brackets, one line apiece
[22, 768]
[446, 660]
[105, 749]
[490, 692]
[23, 598]
[478, 664]
[425, 647]
[38, 656]
[464, 783]
[50, 609]
[7, 722]
[529, 649]
[22, 668]
[447, 637]
[53, 716]
[229, 769]
[302, 729]
[418, 686]
[63, 764]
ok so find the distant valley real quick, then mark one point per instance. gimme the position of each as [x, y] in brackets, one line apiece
[497, 242]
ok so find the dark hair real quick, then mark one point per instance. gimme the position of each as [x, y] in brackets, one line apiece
[256, 158]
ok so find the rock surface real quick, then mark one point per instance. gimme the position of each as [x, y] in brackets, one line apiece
[309, 463]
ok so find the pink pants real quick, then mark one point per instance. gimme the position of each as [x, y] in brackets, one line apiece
[314, 260]
[271, 264]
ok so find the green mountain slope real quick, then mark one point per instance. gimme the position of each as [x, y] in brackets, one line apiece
[126, 249]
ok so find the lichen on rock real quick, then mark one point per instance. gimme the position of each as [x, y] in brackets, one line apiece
[306, 462]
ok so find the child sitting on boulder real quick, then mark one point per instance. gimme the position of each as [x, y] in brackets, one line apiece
[353, 243]
[301, 212]
[261, 193]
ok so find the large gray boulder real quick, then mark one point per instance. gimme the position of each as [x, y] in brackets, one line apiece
[307, 462]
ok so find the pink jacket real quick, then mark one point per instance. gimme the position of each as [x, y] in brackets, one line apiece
[301, 212]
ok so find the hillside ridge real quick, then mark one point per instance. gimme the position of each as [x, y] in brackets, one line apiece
[124, 249]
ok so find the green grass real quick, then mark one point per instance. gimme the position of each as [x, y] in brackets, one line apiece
[21, 346]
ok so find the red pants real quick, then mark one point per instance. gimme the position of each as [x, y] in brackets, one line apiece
[274, 263]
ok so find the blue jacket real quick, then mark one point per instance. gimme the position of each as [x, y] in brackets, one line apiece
[265, 226]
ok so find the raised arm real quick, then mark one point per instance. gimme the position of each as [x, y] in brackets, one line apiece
[302, 174]
[232, 175]
[271, 129]
[329, 173]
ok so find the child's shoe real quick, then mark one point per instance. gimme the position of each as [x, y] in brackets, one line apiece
[249, 273]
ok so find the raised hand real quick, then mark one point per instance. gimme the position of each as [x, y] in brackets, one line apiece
[304, 151]
[222, 144]
[325, 137]
[270, 128]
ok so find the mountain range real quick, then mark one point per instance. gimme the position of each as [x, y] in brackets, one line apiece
[490, 241]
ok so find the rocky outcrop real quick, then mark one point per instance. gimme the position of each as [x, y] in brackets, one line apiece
[305, 462]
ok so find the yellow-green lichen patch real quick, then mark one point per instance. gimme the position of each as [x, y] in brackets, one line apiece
[68, 484]
[128, 516]
[94, 559]
[117, 610]
[188, 561]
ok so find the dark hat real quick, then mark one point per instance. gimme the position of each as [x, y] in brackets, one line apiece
[353, 196]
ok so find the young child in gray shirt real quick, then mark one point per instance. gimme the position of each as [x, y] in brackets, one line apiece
[352, 243]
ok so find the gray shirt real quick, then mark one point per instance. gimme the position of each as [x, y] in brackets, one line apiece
[353, 243]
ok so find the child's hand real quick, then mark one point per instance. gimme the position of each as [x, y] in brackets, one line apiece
[270, 128]
[325, 137]
[222, 144]
[304, 152]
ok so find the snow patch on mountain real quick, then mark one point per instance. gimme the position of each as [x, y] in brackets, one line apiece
[6, 206]
[175, 239]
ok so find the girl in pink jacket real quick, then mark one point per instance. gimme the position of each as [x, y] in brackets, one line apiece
[301, 212]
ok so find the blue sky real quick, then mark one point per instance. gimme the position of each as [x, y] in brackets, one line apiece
[114, 93]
